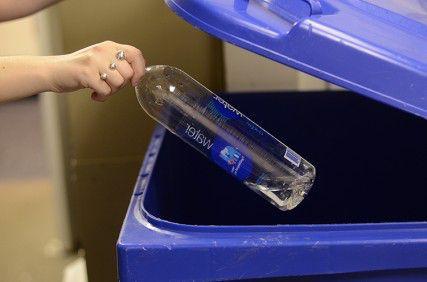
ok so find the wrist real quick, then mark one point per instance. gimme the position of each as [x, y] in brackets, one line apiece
[48, 72]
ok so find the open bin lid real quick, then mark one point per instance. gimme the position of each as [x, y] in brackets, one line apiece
[377, 48]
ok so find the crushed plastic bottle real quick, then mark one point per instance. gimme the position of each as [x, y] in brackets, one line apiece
[226, 136]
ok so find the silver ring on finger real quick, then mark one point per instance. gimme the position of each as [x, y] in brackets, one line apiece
[113, 66]
[103, 76]
[121, 55]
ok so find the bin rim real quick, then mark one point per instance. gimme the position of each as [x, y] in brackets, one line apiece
[175, 226]
[145, 217]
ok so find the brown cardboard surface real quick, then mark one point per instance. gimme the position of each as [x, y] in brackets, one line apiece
[107, 141]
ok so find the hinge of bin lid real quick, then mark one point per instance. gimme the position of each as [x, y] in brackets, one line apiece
[316, 6]
[284, 7]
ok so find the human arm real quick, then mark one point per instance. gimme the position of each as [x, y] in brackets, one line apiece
[23, 76]
[14, 9]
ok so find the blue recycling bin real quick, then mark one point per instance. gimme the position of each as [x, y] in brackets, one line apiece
[365, 217]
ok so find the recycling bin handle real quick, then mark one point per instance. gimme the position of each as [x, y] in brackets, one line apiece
[315, 5]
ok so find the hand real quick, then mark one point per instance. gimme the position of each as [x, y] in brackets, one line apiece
[83, 69]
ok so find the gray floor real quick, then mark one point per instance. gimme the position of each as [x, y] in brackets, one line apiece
[29, 250]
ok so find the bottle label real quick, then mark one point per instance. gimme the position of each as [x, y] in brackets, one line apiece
[219, 137]
[197, 136]
[231, 159]
[224, 108]
[223, 153]
[220, 151]
[293, 157]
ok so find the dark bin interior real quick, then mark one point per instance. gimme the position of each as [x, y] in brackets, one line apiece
[370, 160]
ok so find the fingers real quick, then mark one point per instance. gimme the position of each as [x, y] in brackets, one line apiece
[136, 60]
[125, 71]
[103, 58]
[97, 97]
[114, 80]
[101, 89]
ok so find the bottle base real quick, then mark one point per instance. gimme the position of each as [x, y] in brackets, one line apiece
[283, 193]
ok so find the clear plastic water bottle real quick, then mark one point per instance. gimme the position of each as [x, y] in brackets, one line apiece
[226, 136]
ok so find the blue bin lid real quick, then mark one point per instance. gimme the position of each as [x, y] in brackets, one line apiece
[377, 48]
